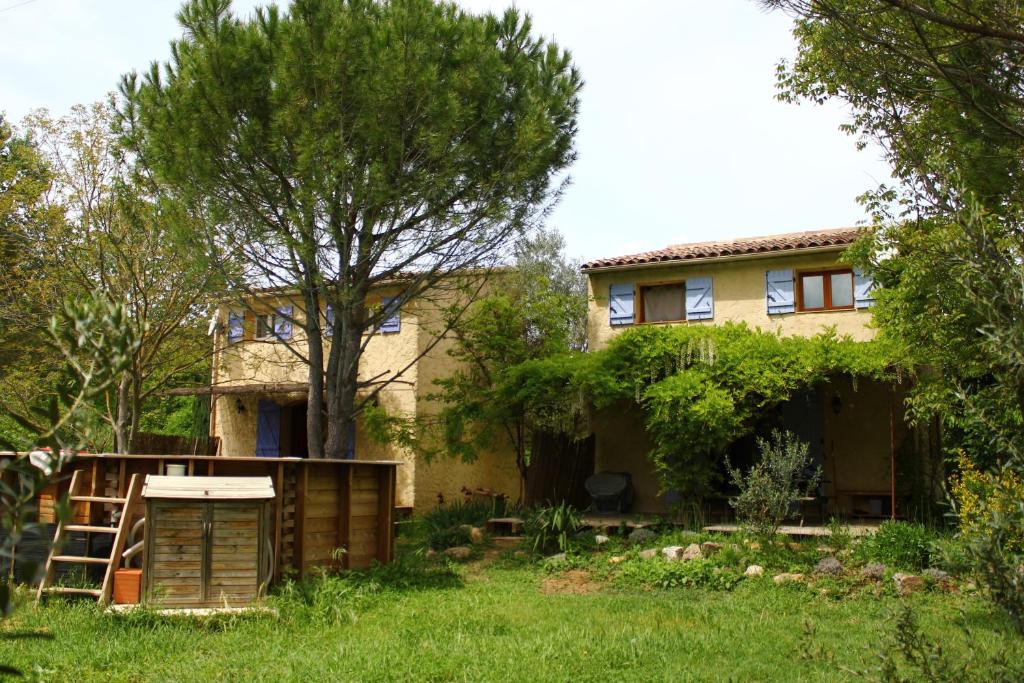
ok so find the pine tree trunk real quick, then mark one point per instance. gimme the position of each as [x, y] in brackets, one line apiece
[342, 382]
[315, 400]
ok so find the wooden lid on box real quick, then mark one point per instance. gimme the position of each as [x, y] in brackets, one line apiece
[208, 488]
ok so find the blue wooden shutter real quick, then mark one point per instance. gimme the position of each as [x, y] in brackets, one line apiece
[699, 299]
[236, 326]
[779, 291]
[329, 318]
[350, 451]
[268, 430]
[620, 304]
[863, 289]
[283, 323]
[393, 322]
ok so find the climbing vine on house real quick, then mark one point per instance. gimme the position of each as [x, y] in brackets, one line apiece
[700, 388]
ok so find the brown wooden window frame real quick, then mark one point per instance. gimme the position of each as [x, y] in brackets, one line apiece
[638, 302]
[826, 284]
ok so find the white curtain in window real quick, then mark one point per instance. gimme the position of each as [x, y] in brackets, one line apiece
[664, 303]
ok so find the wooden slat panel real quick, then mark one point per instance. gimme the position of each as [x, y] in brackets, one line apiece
[364, 522]
[317, 524]
[323, 480]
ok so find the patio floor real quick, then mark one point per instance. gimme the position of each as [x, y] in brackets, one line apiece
[855, 529]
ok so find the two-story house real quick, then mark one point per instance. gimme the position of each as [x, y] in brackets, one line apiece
[260, 389]
[794, 284]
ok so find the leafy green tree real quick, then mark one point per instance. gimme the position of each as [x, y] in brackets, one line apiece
[339, 145]
[538, 310]
[95, 342]
[25, 219]
[116, 235]
[940, 87]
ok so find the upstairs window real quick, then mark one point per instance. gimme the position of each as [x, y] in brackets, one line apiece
[276, 325]
[236, 326]
[827, 290]
[663, 303]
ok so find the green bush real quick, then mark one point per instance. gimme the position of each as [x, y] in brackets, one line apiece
[447, 525]
[901, 545]
[783, 476]
[550, 528]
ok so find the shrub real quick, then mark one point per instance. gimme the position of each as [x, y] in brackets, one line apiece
[699, 573]
[548, 528]
[783, 476]
[446, 525]
[989, 548]
[898, 544]
[978, 495]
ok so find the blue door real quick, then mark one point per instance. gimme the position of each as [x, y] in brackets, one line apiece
[268, 430]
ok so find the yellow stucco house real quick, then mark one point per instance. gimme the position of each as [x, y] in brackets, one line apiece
[794, 284]
[260, 387]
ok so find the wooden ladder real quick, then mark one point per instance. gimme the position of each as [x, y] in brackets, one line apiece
[126, 506]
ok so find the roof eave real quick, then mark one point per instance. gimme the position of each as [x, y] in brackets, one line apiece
[705, 259]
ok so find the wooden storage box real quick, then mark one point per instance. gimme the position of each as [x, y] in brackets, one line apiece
[207, 541]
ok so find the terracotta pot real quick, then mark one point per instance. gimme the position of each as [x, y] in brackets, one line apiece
[127, 586]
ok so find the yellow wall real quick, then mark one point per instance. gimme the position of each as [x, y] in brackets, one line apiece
[856, 439]
[738, 287]
[387, 356]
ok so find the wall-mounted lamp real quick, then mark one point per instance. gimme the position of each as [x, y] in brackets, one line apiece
[837, 404]
[239, 406]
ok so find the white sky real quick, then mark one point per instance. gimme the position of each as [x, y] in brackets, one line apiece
[681, 138]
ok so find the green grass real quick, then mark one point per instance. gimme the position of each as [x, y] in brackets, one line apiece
[495, 622]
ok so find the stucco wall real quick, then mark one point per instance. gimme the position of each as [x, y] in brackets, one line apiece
[387, 356]
[739, 296]
[495, 469]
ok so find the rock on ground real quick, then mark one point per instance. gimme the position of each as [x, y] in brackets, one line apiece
[709, 548]
[459, 552]
[754, 570]
[649, 554]
[672, 552]
[616, 559]
[874, 571]
[692, 552]
[907, 583]
[829, 566]
[788, 577]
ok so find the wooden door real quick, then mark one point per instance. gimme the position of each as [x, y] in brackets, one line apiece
[234, 553]
[175, 553]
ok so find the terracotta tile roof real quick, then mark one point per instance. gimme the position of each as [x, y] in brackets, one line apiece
[791, 241]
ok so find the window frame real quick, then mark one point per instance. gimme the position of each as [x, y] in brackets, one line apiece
[638, 302]
[826, 285]
[269, 320]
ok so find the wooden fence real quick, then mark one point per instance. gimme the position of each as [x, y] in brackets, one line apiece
[326, 513]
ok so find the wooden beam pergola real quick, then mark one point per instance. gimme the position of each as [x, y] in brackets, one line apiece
[226, 389]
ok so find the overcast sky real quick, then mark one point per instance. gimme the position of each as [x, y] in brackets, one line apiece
[680, 136]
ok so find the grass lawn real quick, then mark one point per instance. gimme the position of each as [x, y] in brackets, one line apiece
[496, 620]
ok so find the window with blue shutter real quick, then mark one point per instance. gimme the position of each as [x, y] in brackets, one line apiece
[699, 299]
[620, 304]
[779, 291]
[236, 326]
[863, 289]
[283, 322]
[329, 321]
[393, 319]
